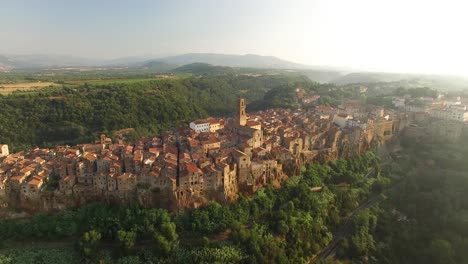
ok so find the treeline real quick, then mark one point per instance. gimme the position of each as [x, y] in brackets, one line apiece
[284, 96]
[205, 69]
[417, 92]
[79, 114]
[287, 225]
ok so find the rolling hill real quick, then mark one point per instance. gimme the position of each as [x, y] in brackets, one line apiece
[159, 66]
[245, 61]
[204, 69]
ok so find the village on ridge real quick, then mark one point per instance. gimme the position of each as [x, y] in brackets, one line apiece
[214, 158]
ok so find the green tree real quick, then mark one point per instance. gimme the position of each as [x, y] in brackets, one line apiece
[441, 252]
[162, 246]
[126, 239]
[89, 243]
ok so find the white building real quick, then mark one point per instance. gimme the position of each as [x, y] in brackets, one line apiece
[200, 126]
[4, 150]
[207, 125]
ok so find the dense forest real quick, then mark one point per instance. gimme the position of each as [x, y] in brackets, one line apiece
[428, 221]
[284, 96]
[75, 114]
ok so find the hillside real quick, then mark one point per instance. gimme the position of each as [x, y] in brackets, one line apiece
[5, 63]
[79, 113]
[322, 76]
[204, 69]
[249, 60]
[369, 77]
[159, 66]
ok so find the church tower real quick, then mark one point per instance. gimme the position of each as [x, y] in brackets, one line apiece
[242, 115]
[102, 139]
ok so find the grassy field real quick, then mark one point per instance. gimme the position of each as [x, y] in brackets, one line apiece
[22, 86]
[25, 86]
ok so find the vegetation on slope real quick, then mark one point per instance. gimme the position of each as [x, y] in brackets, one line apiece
[286, 225]
[284, 96]
[204, 69]
[75, 114]
[426, 219]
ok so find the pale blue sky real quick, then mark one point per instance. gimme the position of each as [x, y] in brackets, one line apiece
[398, 35]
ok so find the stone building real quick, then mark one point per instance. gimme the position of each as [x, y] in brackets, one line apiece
[4, 150]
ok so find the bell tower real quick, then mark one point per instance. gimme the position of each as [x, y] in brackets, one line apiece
[102, 139]
[242, 115]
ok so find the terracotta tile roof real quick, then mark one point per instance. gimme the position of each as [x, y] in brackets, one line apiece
[253, 123]
[200, 121]
[90, 157]
[36, 181]
[126, 176]
[192, 167]
[210, 141]
[138, 155]
[237, 153]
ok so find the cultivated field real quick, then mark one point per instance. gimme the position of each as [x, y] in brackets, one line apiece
[126, 80]
[26, 86]
[110, 81]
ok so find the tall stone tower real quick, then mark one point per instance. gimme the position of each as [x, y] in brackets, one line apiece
[102, 139]
[242, 115]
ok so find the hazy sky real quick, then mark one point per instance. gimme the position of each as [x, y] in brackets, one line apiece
[394, 35]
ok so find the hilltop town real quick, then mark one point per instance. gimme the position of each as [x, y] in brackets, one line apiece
[214, 158]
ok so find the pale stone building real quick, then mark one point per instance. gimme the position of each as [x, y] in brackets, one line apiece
[200, 126]
[4, 150]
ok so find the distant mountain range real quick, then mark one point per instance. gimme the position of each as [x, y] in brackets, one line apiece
[5, 63]
[44, 61]
[212, 63]
[247, 61]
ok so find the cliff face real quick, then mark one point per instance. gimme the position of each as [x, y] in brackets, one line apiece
[55, 201]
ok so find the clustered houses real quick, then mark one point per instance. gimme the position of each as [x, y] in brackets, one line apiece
[439, 120]
[374, 120]
[442, 108]
[186, 167]
[22, 175]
